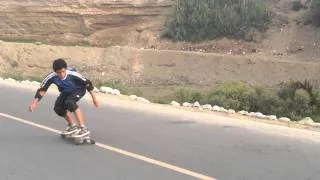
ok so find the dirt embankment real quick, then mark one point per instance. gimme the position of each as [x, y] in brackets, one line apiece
[155, 71]
[121, 40]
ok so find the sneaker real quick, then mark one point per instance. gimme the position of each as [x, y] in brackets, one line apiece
[71, 130]
[83, 132]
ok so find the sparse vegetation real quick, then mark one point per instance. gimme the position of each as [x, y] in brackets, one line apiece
[296, 5]
[233, 95]
[315, 12]
[294, 99]
[195, 20]
[116, 84]
[20, 77]
[187, 95]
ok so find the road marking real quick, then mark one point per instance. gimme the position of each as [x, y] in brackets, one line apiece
[119, 151]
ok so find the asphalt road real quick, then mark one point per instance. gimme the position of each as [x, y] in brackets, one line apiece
[220, 152]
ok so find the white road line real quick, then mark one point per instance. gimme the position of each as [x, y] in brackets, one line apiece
[119, 151]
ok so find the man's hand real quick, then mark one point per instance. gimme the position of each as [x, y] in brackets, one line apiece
[33, 105]
[94, 99]
[95, 102]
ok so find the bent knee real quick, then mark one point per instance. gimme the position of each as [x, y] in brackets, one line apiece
[60, 111]
[71, 105]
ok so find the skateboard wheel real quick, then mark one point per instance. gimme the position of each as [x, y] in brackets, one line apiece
[78, 141]
[92, 141]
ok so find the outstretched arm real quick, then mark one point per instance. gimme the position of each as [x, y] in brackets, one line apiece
[35, 101]
[41, 91]
[94, 99]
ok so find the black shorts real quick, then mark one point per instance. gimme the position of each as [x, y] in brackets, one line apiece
[68, 102]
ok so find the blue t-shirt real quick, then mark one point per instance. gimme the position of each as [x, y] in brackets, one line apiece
[73, 81]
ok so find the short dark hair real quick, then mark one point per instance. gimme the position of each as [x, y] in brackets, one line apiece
[59, 64]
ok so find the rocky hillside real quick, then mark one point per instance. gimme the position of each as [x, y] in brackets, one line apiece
[139, 23]
[95, 23]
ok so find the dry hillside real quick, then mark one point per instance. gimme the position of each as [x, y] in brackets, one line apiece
[120, 39]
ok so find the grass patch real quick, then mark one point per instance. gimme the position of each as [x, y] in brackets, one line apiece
[20, 77]
[294, 99]
[199, 20]
[123, 88]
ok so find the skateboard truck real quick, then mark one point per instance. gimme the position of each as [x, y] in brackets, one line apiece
[78, 140]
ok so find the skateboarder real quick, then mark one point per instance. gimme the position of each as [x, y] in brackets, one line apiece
[72, 86]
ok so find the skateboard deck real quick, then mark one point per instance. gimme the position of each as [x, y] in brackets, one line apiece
[78, 140]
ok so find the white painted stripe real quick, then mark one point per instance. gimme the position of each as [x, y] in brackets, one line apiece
[77, 75]
[155, 162]
[47, 78]
[30, 123]
[120, 151]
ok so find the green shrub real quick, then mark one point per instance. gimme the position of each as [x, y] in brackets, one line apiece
[267, 102]
[237, 96]
[198, 20]
[296, 5]
[294, 99]
[315, 12]
[186, 95]
[123, 88]
[298, 99]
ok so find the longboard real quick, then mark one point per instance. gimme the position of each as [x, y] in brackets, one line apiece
[77, 141]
